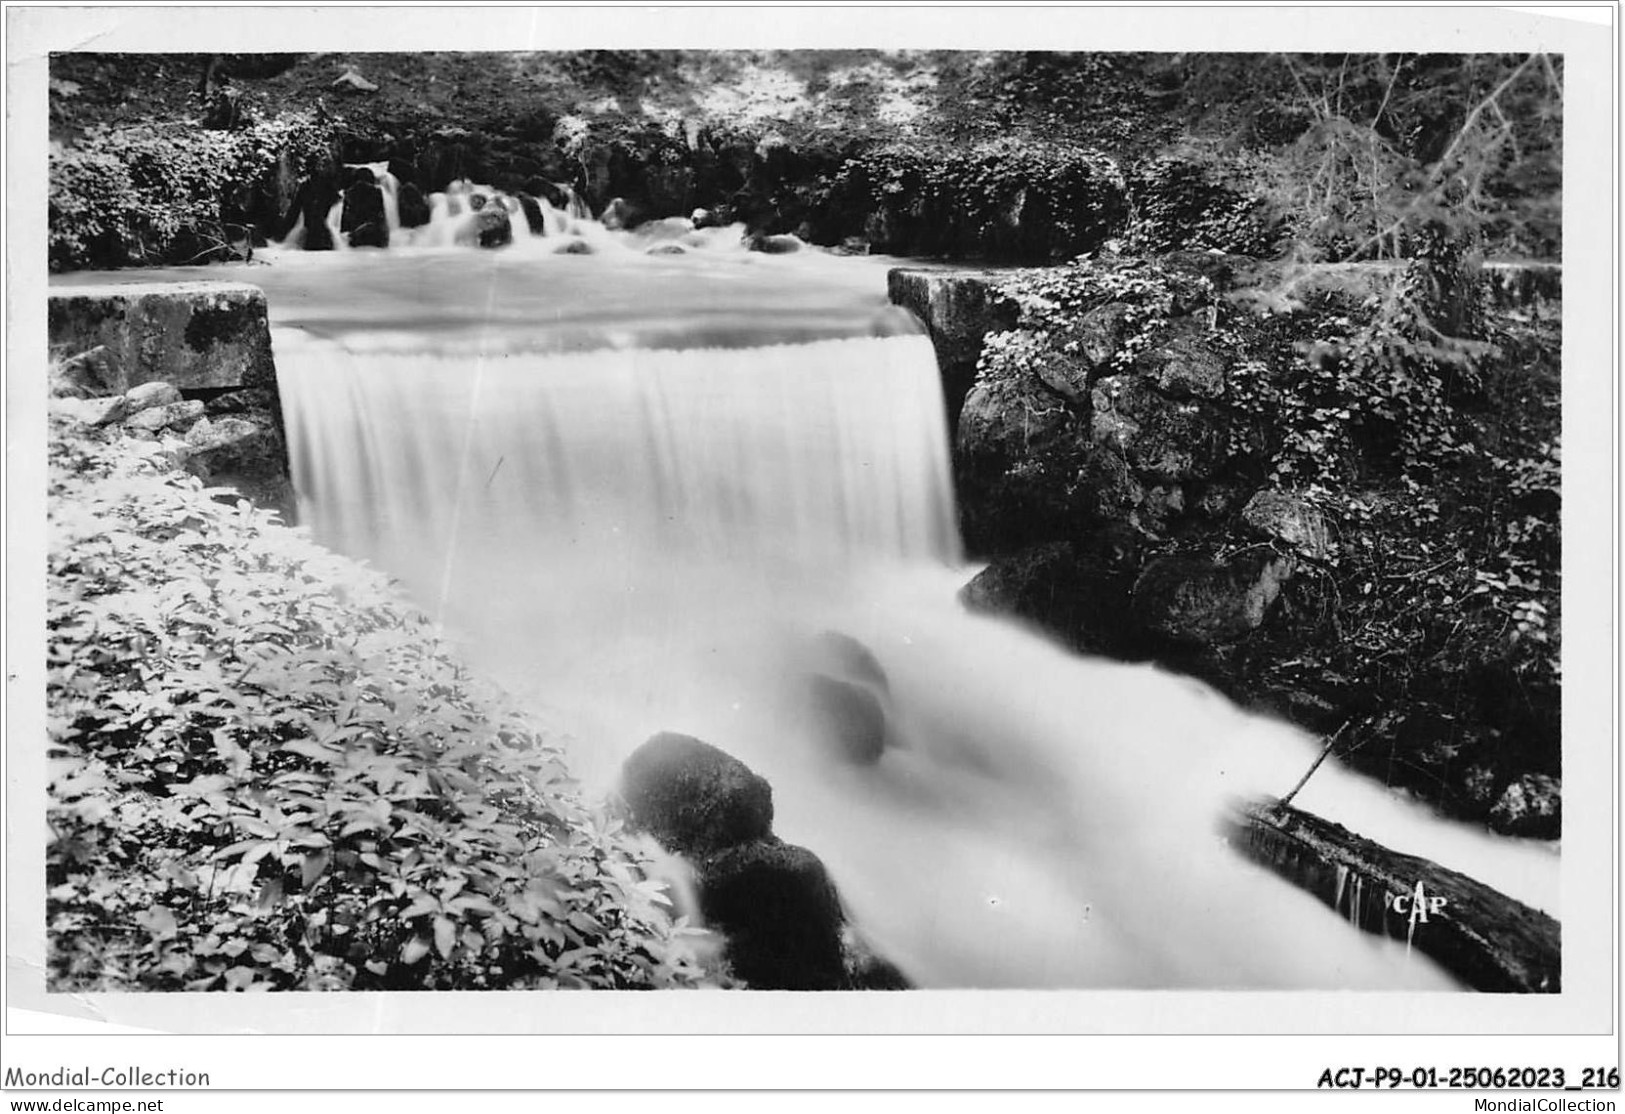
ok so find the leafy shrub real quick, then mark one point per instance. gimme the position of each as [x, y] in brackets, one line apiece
[162, 194]
[1002, 198]
[1436, 458]
[266, 772]
[1176, 205]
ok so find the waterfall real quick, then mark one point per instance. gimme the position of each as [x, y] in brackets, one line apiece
[634, 458]
[637, 525]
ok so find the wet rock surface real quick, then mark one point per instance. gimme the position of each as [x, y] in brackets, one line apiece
[694, 798]
[774, 903]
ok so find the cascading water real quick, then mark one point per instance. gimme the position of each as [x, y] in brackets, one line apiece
[638, 488]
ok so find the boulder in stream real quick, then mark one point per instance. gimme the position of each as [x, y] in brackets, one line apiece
[694, 798]
[776, 905]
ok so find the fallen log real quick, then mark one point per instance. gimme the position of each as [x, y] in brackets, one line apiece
[1488, 940]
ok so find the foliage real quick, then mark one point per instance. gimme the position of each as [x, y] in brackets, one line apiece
[1382, 148]
[267, 773]
[1175, 204]
[1051, 302]
[1420, 425]
[1002, 198]
[1436, 460]
[162, 194]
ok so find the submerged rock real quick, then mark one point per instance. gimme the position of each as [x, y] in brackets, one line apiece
[694, 798]
[848, 717]
[846, 656]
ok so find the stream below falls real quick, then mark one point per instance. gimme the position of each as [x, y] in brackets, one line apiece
[637, 488]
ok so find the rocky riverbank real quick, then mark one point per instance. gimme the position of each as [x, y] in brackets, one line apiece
[1158, 471]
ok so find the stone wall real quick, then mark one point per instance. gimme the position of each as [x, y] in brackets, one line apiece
[188, 361]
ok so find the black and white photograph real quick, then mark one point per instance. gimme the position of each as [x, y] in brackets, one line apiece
[1066, 526]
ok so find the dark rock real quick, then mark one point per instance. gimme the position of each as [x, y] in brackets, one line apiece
[533, 214]
[1218, 499]
[776, 905]
[1160, 507]
[1286, 518]
[1017, 456]
[91, 374]
[1004, 424]
[848, 717]
[254, 399]
[193, 335]
[315, 201]
[693, 798]
[668, 189]
[493, 227]
[666, 249]
[1068, 374]
[1101, 333]
[1202, 602]
[1078, 597]
[1531, 806]
[1181, 361]
[413, 206]
[550, 192]
[1161, 437]
[363, 218]
[618, 214]
[578, 246]
[775, 245]
[1109, 490]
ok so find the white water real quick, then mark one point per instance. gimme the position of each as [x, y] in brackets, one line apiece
[455, 221]
[640, 539]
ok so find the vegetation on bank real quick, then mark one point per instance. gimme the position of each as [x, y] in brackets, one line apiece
[266, 772]
[1022, 156]
[1422, 427]
[172, 192]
